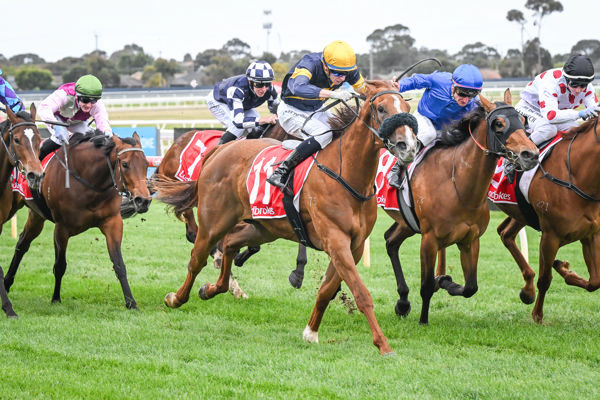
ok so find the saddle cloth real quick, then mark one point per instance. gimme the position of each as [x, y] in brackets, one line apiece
[18, 182]
[266, 201]
[190, 160]
[501, 191]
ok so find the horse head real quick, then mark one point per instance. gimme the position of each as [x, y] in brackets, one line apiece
[21, 140]
[132, 166]
[390, 116]
[506, 133]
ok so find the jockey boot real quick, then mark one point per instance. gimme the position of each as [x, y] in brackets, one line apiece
[258, 131]
[47, 147]
[395, 174]
[227, 137]
[304, 150]
[509, 170]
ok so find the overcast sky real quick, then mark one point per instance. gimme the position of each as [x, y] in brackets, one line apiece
[54, 30]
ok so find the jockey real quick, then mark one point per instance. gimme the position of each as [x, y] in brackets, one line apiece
[8, 97]
[233, 101]
[446, 99]
[306, 87]
[73, 103]
[548, 102]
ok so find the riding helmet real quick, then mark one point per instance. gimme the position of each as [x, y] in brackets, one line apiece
[260, 71]
[578, 69]
[89, 85]
[467, 76]
[339, 56]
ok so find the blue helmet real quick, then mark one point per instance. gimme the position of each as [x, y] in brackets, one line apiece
[260, 71]
[467, 76]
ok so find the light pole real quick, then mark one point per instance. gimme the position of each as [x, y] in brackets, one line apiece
[267, 25]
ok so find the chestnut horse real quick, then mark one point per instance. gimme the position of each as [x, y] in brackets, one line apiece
[104, 170]
[20, 148]
[449, 187]
[567, 206]
[169, 167]
[338, 218]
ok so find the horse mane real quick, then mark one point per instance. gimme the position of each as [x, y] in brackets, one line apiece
[458, 131]
[341, 118]
[98, 138]
[579, 129]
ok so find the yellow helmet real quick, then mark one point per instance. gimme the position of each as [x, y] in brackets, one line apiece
[339, 56]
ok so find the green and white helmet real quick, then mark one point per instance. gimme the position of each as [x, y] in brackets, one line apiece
[89, 85]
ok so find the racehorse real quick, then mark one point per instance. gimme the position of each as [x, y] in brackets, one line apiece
[104, 170]
[449, 187]
[169, 166]
[564, 200]
[338, 218]
[20, 148]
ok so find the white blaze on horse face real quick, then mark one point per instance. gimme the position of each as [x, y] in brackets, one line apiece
[29, 134]
[397, 104]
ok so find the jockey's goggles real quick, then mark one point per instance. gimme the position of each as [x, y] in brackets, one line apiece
[574, 83]
[464, 92]
[85, 99]
[260, 85]
[338, 74]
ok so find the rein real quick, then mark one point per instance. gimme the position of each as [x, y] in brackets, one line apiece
[570, 185]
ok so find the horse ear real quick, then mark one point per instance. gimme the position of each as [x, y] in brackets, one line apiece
[32, 111]
[137, 138]
[11, 115]
[489, 106]
[508, 97]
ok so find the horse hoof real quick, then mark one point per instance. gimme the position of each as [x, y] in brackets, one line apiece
[296, 279]
[390, 354]
[525, 298]
[442, 282]
[170, 300]
[402, 308]
[202, 292]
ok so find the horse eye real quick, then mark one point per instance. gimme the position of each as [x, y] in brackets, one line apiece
[499, 124]
[17, 140]
[124, 164]
[380, 109]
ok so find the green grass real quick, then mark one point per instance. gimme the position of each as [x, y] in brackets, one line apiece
[91, 347]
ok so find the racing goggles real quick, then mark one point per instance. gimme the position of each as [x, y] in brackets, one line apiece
[85, 99]
[574, 83]
[464, 92]
[260, 85]
[338, 74]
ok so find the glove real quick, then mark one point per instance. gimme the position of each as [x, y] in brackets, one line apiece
[272, 108]
[61, 133]
[341, 95]
[589, 112]
[108, 134]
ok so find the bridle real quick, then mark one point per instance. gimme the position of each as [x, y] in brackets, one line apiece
[14, 158]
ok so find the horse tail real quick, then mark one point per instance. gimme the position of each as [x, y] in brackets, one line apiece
[179, 196]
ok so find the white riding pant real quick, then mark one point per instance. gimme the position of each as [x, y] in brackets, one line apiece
[297, 123]
[223, 113]
[540, 128]
[74, 127]
[427, 132]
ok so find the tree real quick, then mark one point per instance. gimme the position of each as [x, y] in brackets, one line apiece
[542, 8]
[237, 49]
[517, 16]
[537, 59]
[33, 78]
[589, 47]
[391, 49]
[479, 54]
[167, 69]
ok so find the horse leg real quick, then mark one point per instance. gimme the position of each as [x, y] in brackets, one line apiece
[242, 257]
[549, 245]
[469, 254]
[6, 304]
[326, 293]
[394, 237]
[344, 261]
[592, 261]
[113, 231]
[429, 251]
[441, 265]
[508, 230]
[61, 240]
[33, 228]
[297, 276]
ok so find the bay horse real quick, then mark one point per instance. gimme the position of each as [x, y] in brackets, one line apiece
[564, 196]
[170, 165]
[338, 217]
[449, 187]
[20, 148]
[104, 170]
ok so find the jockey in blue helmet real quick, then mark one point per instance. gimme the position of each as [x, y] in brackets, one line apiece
[446, 99]
[8, 97]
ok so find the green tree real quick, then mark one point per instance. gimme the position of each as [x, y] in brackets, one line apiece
[167, 69]
[479, 54]
[391, 49]
[33, 78]
[537, 59]
[541, 9]
[518, 17]
[237, 49]
[589, 47]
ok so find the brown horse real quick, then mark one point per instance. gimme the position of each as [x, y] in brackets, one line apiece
[104, 171]
[449, 187]
[567, 207]
[169, 167]
[338, 217]
[20, 148]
